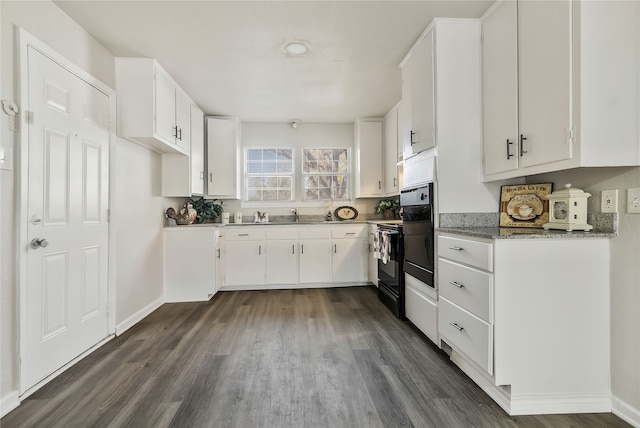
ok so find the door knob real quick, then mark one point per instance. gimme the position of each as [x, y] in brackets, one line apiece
[35, 243]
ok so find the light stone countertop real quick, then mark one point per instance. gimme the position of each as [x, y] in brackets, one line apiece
[516, 233]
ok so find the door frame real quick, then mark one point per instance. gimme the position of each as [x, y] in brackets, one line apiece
[24, 40]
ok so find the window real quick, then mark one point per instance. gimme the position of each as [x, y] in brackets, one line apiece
[269, 174]
[325, 174]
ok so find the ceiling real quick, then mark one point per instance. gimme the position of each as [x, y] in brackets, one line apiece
[228, 55]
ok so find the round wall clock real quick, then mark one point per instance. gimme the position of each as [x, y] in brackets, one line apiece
[345, 213]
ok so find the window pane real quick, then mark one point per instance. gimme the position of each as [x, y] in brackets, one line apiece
[284, 195]
[285, 167]
[254, 154]
[324, 193]
[254, 168]
[284, 182]
[270, 195]
[254, 182]
[310, 194]
[269, 167]
[254, 195]
[269, 154]
[285, 155]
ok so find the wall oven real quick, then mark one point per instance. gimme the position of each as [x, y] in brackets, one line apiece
[391, 274]
[418, 222]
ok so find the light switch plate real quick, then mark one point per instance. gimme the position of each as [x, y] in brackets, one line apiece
[609, 203]
[633, 200]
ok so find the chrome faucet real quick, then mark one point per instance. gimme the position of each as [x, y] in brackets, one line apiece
[295, 215]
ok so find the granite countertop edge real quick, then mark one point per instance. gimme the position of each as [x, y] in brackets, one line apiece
[515, 233]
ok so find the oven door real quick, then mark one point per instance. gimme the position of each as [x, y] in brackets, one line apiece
[419, 242]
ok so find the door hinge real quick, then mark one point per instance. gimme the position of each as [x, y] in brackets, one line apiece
[108, 215]
[570, 135]
[28, 116]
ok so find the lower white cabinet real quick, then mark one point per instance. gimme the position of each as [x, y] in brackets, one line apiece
[190, 266]
[421, 306]
[295, 256]
[245, 257]
[528, 319]
[315, 261]
[373, 262]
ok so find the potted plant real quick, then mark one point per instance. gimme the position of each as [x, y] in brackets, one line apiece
[388, 208]
[208, 209]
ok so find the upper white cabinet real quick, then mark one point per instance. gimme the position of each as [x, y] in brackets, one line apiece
[391, 138]
[418, 69]
[152, 109]
[565, 94]
[368, 158]
[184, 175]
[223, 157]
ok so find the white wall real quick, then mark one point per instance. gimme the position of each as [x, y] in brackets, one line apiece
[625, 273]
[305, 135]
[136, 210]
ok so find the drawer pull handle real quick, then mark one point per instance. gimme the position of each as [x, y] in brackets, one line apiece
[350, 233]
[218, 252]
[456, 248]
[243, 234]
[456, 284]
[456, 326]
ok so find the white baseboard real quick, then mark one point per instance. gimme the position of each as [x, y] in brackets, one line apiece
[293, 286]
[8, 403]
[626, 412]
[138, 316]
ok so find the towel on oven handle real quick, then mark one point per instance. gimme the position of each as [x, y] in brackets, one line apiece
[381, 245]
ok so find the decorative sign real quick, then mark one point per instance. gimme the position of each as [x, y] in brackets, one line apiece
[525, 205]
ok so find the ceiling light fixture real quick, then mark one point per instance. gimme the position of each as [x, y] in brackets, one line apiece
[297, 48]
[294, 123]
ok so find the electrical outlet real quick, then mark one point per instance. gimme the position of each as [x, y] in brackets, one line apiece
[6, 158]
[633, 200]
[609, 202]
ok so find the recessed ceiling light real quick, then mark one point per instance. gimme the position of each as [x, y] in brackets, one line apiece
[297, 48]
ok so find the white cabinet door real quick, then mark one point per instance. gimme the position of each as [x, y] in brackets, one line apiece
[244, 263]
[349, 260]
[368, 145]
[222, 157]
[197, 151]
[544, 42]
[183, 120]
[422, 96]
[391, 184]
[165, 108]
[220, 259]
[500, 89]
[373, 262]
[190, 267]
[315, 261]
[282, 261]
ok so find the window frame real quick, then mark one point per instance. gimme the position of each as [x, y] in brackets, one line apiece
[348, 174]
[249, 175]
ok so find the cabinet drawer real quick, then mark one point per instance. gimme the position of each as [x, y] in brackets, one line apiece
[474, 253]
[466, 287]
[349, 232]
[321, 232]
[466, 333]
[242, 234]
[281, 233]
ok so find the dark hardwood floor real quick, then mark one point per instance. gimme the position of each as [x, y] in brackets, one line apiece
[282, 358]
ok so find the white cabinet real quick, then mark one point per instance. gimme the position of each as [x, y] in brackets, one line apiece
[522, 332]
[391, 138]
[152, 109]
[372, 261]
[245, 259]
[565, 95]
[184, 175]
[368, 158]
[190, 269]
[294, 256]
[349, 260]
[421, 307]
[282, 256]
[315, 255]
[420, 83]
[223, 157]
[220, 259]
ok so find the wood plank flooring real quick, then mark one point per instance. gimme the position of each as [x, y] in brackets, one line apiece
[330, 357]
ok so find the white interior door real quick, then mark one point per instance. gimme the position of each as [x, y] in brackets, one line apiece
[67, 265]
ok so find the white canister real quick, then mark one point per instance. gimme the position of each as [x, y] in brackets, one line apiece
[237, 217]
[225, 218]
